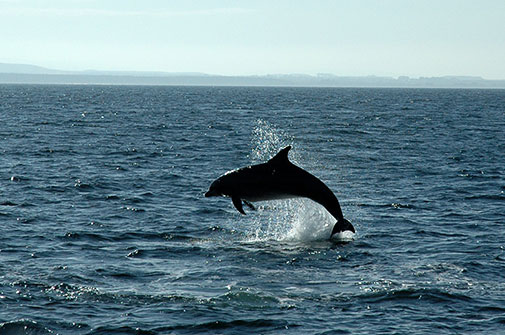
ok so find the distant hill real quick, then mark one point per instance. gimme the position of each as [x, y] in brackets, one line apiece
[26, 69]
[31, 74]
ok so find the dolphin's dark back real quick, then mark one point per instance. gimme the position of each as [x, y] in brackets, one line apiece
[280, 179]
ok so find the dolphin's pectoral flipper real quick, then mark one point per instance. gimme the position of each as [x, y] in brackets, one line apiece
[237, 202]
[251, 206]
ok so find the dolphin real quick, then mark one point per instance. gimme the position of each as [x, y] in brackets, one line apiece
[277, 179]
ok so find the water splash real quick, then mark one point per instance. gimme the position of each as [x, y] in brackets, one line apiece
[267, 140]
[296, 219]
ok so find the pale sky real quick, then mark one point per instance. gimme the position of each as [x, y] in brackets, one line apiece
[348, 38]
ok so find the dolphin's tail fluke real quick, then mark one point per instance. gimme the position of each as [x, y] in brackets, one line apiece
[342, 225]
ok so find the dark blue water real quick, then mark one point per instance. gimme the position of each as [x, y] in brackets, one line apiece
[105, 230]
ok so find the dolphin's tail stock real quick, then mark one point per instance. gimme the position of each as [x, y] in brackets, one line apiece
[342, 225]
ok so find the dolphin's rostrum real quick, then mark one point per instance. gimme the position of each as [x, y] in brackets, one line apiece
[277, 179]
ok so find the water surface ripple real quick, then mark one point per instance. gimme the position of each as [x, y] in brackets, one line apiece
[105, 230]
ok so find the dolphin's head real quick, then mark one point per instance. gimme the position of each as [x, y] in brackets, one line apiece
[224, 185]
[342, 225]
[217, 188]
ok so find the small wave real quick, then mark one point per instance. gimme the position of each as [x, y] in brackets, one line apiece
[134, 209]
[134, 200]
[81, 185]
[432, 295]
[8, 203]
[126, 236]
[113, 197]
[394, 205]
[151, 236]
[97, 183]
[245, 297]
[86, 293]
[107, 330]
[72, 292]
[487, 197]
[19, 178]
[441, 234]
[135, 253]
[86, 236]
[54, 189]
[222, 230]
[23, 327]
[477, 175]
[25, 220]
[241, 326]
[492, 309]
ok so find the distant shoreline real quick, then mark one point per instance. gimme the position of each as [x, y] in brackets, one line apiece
[209, 80]
[31, 74]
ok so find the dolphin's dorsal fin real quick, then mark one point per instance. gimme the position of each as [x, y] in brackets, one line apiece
[281, 157]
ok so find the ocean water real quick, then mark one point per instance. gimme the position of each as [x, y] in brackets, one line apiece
[104, 228]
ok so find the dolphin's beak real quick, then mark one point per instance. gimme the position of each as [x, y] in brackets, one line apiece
[210, 194]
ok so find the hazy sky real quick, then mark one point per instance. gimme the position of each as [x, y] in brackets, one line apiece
[353, 37]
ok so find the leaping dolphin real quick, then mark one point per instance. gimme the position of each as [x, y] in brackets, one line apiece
[277, 179]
